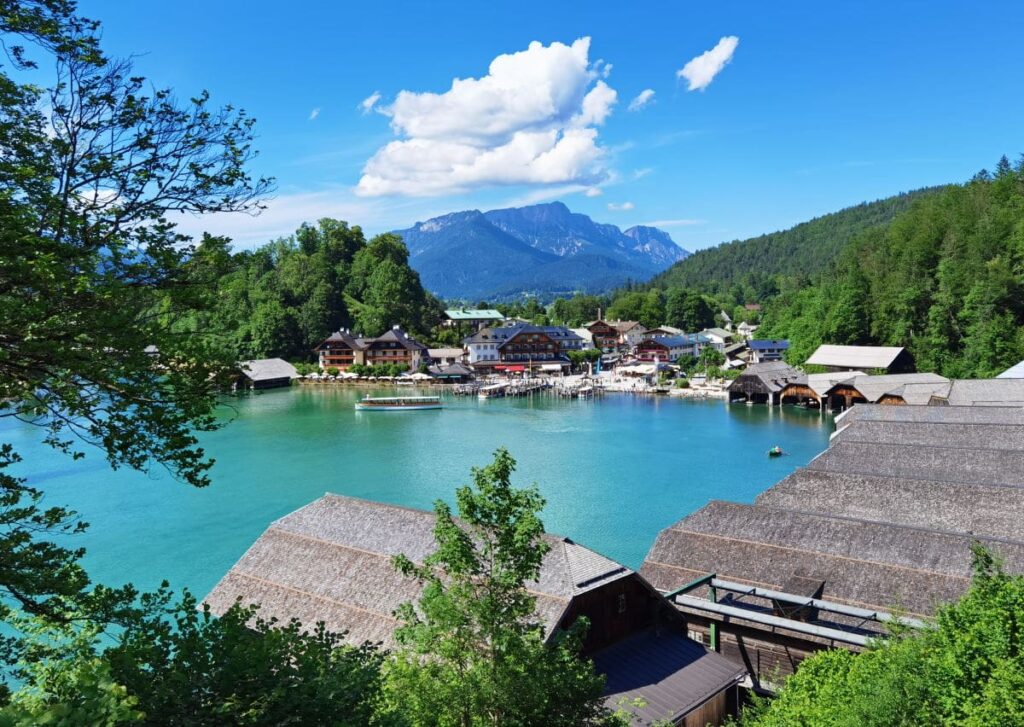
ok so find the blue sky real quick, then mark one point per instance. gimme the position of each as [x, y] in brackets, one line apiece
[820, 106]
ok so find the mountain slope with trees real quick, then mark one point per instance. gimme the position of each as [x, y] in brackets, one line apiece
[747, 269]
[945, 279]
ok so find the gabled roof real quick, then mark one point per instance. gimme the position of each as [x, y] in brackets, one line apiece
[774, 375]
[266, 369]
[671, 330]
[445, 352]
[342, 337]
[821, 383]
[982, 392]
[873, 388]
[396, 335]
[859, 357]
[768, 344]
[1014, 372]
[503, 333]
[720, 332]
[626, 326]
[474, 314]
[331, 561]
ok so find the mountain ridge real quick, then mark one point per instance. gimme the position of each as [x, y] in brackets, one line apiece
[544, 249]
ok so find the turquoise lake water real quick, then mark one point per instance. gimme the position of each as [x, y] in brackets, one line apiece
[614, 471]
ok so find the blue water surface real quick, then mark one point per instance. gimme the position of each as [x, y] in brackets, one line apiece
[614, 471]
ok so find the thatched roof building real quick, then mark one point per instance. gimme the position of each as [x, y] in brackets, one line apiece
[884, 519]
[332, 561]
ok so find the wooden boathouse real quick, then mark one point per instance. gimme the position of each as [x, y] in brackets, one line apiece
[332, 561]
[884, 520]
[763, 383]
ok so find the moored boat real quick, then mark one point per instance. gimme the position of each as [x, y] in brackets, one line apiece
[399, 403]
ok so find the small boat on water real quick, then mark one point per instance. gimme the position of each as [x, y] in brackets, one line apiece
[775, 451]
[399, 403]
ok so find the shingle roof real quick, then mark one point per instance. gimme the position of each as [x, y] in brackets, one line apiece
[1014, 372]
[874, 387]
[859, 357]
[821, 383]
[342, 337]
[983, 392]
[886, 516]
[626, 326]
[265, 369]
[668, 673]
[720, 332]
[774, 375]
[331, 561]
[503, 333]
[687, 339]
[399, 336]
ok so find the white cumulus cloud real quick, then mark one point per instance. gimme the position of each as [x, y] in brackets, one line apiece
[642, 99]
[593, 192]
[367, 104]
[531, 120]
[624, 207]
[701, 71]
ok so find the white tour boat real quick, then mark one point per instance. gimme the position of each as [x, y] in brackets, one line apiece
[398, 403]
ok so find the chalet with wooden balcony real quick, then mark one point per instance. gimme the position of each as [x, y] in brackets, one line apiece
[341, 350]
[523, 347]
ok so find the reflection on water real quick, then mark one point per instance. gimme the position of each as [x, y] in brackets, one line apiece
[614, 471]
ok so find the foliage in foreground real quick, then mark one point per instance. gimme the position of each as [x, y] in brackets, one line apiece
[472, 651]
[968, 671]
[168, 662]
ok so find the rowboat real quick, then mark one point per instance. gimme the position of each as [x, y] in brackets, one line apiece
[399, 403]
[775, 451]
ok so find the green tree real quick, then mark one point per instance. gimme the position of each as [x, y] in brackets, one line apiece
[174, 663]
[967, 670]
[472, 651]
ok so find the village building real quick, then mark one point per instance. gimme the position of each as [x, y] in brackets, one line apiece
[889, 359]
[454, 373]
[670, 348]
[767, 350]
[340, 350]
[394, 347]
[726, 320]
[747, 330]
[720, 338]
[585, 335]
[522, 348]
[884, 519]
[332, 562]
[445, 356]
[866, 389]
[630, 333]
[266, 373]
[662, 331]
[604, 335]
[473, 317]
[762, 383]
[737, 355]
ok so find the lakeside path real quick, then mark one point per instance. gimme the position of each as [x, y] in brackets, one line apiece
[614, 470]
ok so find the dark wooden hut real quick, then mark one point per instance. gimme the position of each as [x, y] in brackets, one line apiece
[762, 383]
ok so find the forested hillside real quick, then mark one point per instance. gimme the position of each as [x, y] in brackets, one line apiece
[746, 269]
[945, 279]
[287, 296]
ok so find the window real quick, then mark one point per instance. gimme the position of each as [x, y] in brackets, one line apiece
[695, 636]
